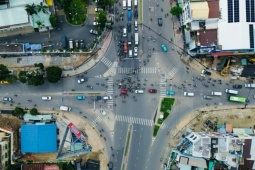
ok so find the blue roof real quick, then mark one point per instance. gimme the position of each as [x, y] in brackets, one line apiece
[39, 138]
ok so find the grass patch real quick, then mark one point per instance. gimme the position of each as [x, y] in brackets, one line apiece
[126, 149]
[160, 121]
[166, 106]
[155, 130]
[141, 11]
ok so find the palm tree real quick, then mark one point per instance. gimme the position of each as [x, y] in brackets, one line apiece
[43, 8]
[30, 9]
[40, 24]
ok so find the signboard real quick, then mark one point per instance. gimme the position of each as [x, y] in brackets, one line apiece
[74, 130]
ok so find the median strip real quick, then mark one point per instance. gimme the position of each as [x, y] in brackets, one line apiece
[126, 151]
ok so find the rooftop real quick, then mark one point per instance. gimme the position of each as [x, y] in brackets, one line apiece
[11, 48]
[13, 16]
[39, 138]
[208, 37]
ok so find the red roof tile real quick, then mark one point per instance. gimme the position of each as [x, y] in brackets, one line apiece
[214, 11]
[207, 37]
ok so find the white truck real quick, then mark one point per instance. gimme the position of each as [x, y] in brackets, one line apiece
[136, 39]
[249, 85]
[124, 4]
[65, 108]
[129, 5]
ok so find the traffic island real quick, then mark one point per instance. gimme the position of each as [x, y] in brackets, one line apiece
[166, 105]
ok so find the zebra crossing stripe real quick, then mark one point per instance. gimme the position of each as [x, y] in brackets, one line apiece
[106, 62]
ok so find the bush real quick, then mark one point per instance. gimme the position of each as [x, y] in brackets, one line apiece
[160, 121]
[166, 105]
[54, 20]
[155, 131]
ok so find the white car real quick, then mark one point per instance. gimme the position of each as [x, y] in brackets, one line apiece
[81, 81]
[136, 51]
[46, 98]
[107, 98]
[98, 9]
[95, 23]
[93, 32]
[7, 99]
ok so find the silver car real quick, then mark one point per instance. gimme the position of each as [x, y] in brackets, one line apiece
[7, 99]
[136, 51]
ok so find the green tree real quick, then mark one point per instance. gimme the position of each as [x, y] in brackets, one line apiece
[18, 112]
[102, 19]
[176, 10]
[40, 65]
[39, 24]
[105, 3]
[53, 74]
[4, 72]
[31, 9]
[54, 20]
[23, 76]
[43, 8]
[35, 79]
[12, 78]
[34, 111]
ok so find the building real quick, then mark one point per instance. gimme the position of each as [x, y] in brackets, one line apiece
[38, 138]
[235, 150]
[219, 26]
[6, 147]
[13, 15]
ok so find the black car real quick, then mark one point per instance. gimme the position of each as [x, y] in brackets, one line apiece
[129, 27]
[237, 86]
[160, 21]
[82, 45]
[135, 14]
[110, 165]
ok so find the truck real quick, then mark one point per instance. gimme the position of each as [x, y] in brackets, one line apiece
[129, 39]
[65, 108]
[63, 41]
[216, 93]
[231, 91]
[129, 5]
[136, 39]
[71, 44]
[249, 85]
[124, 4]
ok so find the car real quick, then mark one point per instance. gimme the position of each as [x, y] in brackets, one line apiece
[169, 92]
[123, 91]
[129, 27]
[95, 23]
[46, 98]
[237, 86]
[81, 97]
[82, 44]
[189, 94]
[129, 16]
[125, 45]
[205, 72]
[164, 48]
[136, 25]
[139, 91]
[160, 21]
[7, 99]
[135, 51]
[82, 80]
[95, 98]
[135, 14]
[110, 165]
[94, 32]
[107, 97]
[124, 32]
[98, 9]
[76, 43]
[152, 90]
[207, 97]
[4, 82]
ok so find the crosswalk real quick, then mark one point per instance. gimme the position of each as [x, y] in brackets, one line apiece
[162, 87]
[96, 121]
[134, 120]
[143, 70]
[106, 62]
[163, 126]
[173, 72]
[110, 91]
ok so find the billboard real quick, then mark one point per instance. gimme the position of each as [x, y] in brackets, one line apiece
[74, 130]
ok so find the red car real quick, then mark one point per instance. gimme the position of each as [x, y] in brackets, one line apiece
[125, 48]
[152, 90]
[123, 91]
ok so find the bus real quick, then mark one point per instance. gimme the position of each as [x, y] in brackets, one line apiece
[237, 99]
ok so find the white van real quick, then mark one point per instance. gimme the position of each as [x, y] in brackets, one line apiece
[124, 32]
[46, 98]
[216, 93]
[189, 94]
[139, 91]
[107, 97]
[124, 4]
[231, 91]
[130, 53]
[129, 5]
[65, 108]
[249, 85]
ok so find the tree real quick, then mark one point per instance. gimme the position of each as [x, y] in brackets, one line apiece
[43, 8]
[30, 9]
[34, 111]
[35, 79]
[102, 19]
[53, 74]
[18, 112]
[4, 72]
[176, 10]
[40, 65]
[54, 20]
[23, 76]
[39, 24]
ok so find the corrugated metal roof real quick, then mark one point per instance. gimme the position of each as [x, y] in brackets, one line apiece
[39, 138]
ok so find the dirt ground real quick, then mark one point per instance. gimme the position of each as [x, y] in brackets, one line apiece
[14, 123]
[239, 118]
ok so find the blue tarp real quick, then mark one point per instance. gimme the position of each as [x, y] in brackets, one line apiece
[33, 47]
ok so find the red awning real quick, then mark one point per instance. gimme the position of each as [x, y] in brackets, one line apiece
[222, 54]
